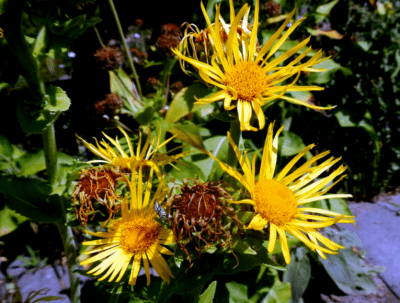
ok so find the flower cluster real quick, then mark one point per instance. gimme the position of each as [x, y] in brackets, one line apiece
[204, 215]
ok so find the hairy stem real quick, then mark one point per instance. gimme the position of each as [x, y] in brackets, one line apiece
[126, 49]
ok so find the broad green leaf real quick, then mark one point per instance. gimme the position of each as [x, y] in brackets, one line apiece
[218, 146]
[324, 10]
[348, 272]
[122, 85]
[40, 42]
[9, 220]
[279, 293]
[188, 133]
[187, 170]
[340, 206]
[331, 68]
[187, 285]
[298, 273]
[32, 163]
[6, 153]
[32, 118]
[57, 99]
[290, 144]
[208, 295]
[30, 198]
[238, 292]
[183, 102]
[241, 246]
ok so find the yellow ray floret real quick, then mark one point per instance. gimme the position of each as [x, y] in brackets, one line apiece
[136, 238]
[148, 155]
[246, 74]
[278, 198]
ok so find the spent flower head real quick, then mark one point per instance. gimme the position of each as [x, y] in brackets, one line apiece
[200, 215]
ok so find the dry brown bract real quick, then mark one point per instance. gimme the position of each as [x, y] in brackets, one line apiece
[197, 216]
[96, 185]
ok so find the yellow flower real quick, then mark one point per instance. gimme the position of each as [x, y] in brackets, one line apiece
[137, 235]
[247, 78]
[148, 155]
[278, 200]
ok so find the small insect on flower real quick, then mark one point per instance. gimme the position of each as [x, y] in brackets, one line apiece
[97, 186]
[198, 214]
[278, 200]
[136, 235]
[247, 76]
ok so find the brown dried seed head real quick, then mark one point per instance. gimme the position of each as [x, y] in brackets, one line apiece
[170, 38]
[109, 57]
[109, 105]
[272, 8]
[197, 214]
[96, 185]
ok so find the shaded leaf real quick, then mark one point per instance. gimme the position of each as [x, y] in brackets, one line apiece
[290, 144]
[298, 273]
[188, 133]
[57, 99]
[9, 220]
[208, 295]
[183, 102]
[31, 198]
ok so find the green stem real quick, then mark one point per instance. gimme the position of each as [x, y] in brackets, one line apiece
[167, 73]
[126, 49]
[30, 68]
[98, 36]
[232, 160]
[234, 130]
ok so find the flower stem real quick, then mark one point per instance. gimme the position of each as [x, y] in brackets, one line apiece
[98, 36]
[30, 70]
[126, 49]
[235, 132]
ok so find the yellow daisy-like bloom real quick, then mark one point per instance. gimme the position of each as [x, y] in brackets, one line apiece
[278, 200]
[137, 235]
[246, 77]
[148, 155]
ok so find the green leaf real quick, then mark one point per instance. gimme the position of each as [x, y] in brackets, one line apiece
[187, 285]
[279, 293]
[340, 206]
[187, 132]
[187, 170]
[298, 273]
[347, 269]
[218, 146]
[122, 85]
[331, 68]
[40, 42]
[210, 8]
[6, 153]
[57, 99]
[290, 144]
[32, 118]
[208, 295]
[10, 220]
[31, 198]
[224, 116]
[48, 299]
[183, 102]
[324, 10]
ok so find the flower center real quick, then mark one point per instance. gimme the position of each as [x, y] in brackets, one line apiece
[138, 235]
[248, 79]
[275, 202]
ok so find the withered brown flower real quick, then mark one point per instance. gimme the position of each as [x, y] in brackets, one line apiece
[109, 57]
[97, 185]
[198, 214]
